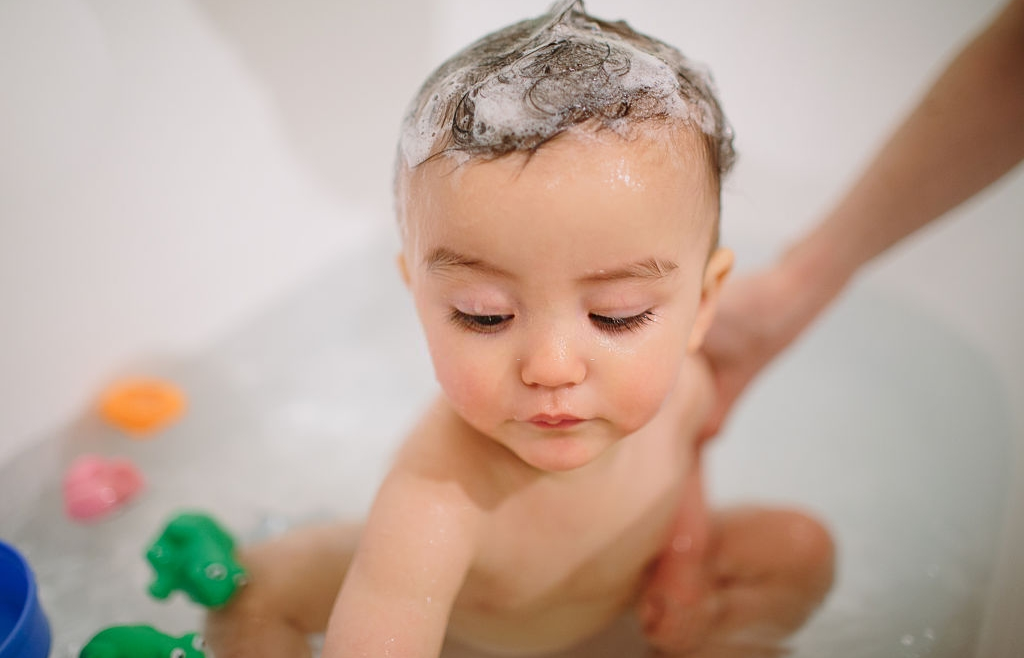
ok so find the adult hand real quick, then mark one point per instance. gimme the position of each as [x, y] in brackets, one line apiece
[967, 132]
[760, 314]
[754, 322]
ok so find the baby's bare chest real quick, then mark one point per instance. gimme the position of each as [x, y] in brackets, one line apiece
[555, 566]
[556, 561]
[552, 544]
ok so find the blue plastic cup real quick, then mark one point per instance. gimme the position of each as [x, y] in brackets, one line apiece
[24, 631]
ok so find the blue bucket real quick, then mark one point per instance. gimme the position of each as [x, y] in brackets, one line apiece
[24, 631]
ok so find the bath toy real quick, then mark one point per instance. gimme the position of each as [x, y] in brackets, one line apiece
[94, 486]
[195, 555]
[142, 642]
[24, 629]
[140, 407]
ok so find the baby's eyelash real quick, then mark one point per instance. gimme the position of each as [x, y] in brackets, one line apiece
[619, 325]
[482, 324]
[488, 324]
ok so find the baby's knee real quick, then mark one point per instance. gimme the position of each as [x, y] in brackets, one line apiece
[784, 546]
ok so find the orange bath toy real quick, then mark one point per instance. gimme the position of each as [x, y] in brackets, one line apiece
[142, 406]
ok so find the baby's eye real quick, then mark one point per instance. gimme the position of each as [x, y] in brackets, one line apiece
[483, 324]
[617, 325]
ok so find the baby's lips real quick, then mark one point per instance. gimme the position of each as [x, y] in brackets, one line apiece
[94, 487]
[142, 406]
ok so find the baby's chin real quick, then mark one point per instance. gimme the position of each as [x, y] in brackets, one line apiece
[560, 452]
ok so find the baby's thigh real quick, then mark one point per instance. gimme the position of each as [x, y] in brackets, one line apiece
[298, 574]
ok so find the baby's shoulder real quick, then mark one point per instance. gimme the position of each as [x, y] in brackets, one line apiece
[441, 445]
[424, 519]
[442, 457]
[422, 499]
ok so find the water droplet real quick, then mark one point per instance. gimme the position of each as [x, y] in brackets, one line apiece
[929, 634]
[907, 640]
[216, 571]
[682, 544]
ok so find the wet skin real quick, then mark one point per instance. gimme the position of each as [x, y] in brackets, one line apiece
[564, 298]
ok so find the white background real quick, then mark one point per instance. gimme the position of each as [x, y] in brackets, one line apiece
[168, 168]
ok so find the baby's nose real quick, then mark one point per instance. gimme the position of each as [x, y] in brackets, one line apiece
[552, 359]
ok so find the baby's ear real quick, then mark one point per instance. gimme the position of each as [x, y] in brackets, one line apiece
[715, 273]
[403, 267]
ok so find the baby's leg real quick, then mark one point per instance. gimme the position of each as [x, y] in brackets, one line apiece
[293, 581]
[765, 572]
[773, 568]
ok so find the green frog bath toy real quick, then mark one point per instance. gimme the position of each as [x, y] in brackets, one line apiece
[141, 642]
[195, 555]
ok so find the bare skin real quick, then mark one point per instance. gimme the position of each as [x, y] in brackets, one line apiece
[529, 507]
[966, 133]
[744, 578]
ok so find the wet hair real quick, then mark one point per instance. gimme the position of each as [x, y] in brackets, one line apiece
[520, 87]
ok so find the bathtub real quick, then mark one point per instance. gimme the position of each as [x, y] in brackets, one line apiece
[888, 426]
[147, 124]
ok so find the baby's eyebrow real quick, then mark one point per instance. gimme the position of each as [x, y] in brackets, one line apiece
[650, 268]
[441, 259]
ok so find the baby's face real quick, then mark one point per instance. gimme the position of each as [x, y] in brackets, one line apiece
[560, 294]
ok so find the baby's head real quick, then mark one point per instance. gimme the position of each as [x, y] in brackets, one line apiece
[520, 87]
[558, 192]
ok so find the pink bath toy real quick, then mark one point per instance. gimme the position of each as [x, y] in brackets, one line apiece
[95, 486]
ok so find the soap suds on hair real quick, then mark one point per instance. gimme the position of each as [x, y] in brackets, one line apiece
[521, 86]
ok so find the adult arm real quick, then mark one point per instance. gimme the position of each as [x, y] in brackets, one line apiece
[966, 133]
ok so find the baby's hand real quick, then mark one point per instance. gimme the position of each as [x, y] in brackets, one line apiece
[679, 604]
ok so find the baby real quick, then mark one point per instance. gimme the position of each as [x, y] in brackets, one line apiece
[558, 196]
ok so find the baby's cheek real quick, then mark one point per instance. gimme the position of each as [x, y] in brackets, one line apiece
[469, 385]
[641, 401]
[450, 361]
[644, 389]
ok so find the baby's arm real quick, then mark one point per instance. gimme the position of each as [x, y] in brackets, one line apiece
[416, 549]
